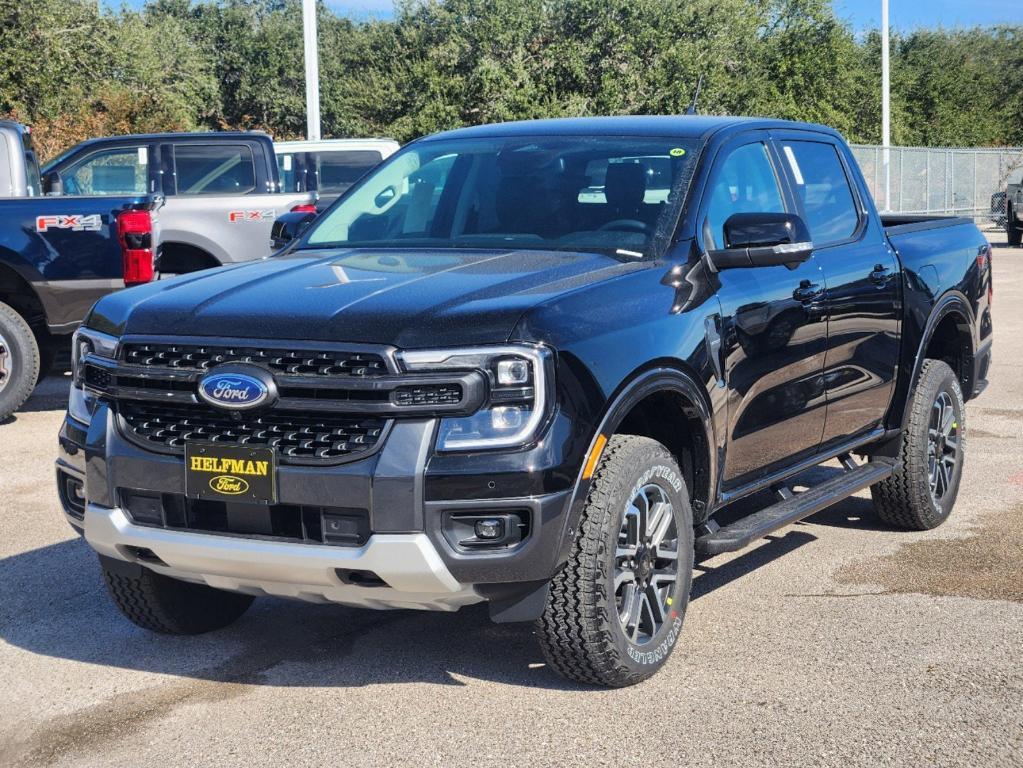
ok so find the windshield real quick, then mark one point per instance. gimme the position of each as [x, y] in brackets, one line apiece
[560, 193]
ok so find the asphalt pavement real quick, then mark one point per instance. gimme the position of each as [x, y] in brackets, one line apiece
[836, 642]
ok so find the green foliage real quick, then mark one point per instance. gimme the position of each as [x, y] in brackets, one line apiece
[73, 71]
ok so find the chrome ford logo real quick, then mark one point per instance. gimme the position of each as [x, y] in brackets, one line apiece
[232, 389]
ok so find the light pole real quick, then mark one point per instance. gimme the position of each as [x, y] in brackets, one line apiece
[312, 70]
[886, 127]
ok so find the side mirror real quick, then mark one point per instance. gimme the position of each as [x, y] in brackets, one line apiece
[288, 226]
[52, 185]
[763, 240]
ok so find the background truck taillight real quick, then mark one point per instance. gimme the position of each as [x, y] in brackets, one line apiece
[304, 208]
[135, 232]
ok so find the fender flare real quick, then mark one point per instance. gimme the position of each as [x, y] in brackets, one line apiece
[951, 302]
[642, 384]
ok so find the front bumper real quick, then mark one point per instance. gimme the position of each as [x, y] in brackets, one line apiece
[408, 504]
[413, 573]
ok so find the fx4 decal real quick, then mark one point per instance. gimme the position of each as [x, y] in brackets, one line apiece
[268, 214]
[76, 222]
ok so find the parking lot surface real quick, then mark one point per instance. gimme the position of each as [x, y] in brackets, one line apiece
[838, 641]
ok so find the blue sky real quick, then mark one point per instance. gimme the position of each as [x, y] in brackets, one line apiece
[864, 14]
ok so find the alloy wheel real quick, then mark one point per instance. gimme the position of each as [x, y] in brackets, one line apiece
[943, 439]
[646, 564]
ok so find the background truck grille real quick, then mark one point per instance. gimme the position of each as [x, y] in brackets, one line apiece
[299, 438]
[281, 360]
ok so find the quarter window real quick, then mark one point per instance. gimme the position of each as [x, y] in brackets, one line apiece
[745, 182]
[821, 183]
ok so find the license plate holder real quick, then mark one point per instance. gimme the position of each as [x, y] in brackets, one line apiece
[230, 473]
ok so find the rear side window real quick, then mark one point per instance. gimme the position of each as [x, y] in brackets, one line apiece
[119, 171]
[207, 169]
[337, 171]
[821, 183]
[744, 182]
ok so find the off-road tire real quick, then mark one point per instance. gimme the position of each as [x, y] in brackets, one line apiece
[579, 632]
[169, 606]
[904, 499]
[21, 358]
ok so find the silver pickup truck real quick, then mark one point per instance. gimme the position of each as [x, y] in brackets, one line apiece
[222, 190]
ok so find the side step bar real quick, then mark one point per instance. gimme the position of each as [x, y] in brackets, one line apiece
[793, 507]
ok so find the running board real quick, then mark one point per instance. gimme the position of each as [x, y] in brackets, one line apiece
[793, 507]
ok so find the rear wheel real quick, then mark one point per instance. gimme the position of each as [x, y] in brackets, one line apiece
[169, 606]
[922, 490]
[19, 361]
[1013, 231]
[615, 611]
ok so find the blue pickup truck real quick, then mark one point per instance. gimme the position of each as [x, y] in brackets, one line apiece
[58, 255]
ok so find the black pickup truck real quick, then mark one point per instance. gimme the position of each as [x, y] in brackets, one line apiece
[57, 256]
[531, 364]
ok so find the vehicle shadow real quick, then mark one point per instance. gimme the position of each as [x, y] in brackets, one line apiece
[53, 603]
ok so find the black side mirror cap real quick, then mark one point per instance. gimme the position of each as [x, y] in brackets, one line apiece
[52, 185]
[763, 240]
[288, 226]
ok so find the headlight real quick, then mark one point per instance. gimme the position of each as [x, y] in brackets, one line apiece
[85, 342]
[520, 396]
[89, 342]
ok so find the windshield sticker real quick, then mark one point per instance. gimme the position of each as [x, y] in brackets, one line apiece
[677, 152]
[76, 222]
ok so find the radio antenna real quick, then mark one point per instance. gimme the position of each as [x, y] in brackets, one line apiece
[696, 97]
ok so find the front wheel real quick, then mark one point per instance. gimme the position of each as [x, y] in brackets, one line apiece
[614, 613]
[921, 491]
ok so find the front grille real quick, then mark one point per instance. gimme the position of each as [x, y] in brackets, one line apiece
[298, 437]
[200, 357]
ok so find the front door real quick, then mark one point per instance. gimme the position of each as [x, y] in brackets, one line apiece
[862, 296]
[772, 325]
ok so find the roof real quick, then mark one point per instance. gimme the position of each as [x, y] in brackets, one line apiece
[328, 144]
[683, 126]
[178, 136]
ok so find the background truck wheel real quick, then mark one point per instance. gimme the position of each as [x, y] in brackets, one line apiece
[162, 604]
[615, 611]
[921, 492]
[1013, 231]
[19, 361]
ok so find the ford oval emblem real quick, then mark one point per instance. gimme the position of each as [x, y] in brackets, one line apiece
[231, 389]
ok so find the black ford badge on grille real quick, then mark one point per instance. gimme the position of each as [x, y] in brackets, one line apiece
[237, 387]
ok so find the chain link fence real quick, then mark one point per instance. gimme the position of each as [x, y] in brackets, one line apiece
[946, 181]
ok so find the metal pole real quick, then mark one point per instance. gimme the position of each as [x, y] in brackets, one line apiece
[312, 71]
[886, 128]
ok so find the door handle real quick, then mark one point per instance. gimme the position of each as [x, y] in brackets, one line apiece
[880, 274]
[807, 292]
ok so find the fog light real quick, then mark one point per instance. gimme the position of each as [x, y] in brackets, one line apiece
[489, 528]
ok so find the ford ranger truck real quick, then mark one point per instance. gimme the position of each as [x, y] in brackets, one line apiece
[222, 190]
[57, 256]
[532, 364]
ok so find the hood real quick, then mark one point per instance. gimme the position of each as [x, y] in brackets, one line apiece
[407, 298]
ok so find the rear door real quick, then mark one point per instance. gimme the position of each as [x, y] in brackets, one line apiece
[218, 199]
[773, 335]
[862, 296]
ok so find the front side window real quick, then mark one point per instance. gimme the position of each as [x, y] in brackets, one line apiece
[821, 183]
[744, 182]
[551, 193]
[208, 169]
[120, 171]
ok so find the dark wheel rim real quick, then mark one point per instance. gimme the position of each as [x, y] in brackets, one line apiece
[5, 363]
[646, 564]
[942, 446]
